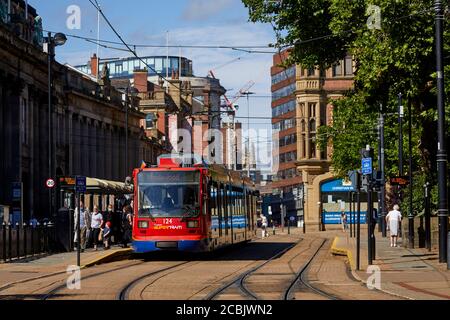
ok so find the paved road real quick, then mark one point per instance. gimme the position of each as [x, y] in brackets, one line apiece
[283, 266]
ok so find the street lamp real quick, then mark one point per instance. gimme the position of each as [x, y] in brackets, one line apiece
[441, 152]
[58, 39]
[133, 92]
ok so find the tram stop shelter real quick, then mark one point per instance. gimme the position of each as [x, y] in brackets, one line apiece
[99, 192]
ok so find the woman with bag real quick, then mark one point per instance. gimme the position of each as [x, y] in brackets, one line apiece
[97, 221]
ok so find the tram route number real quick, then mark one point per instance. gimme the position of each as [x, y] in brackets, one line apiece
[167, 221]
[232, 309]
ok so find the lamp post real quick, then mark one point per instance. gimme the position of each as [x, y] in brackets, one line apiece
[58, 39]
[441, 150]
[131, 91]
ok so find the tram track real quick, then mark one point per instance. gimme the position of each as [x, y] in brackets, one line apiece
[240, 279]
[301, 279]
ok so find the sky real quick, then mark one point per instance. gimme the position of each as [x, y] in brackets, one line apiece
[188, 22]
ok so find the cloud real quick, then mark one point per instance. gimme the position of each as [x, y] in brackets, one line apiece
[204, 9]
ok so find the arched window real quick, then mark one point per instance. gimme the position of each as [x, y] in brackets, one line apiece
[303, 126]
[312, 125]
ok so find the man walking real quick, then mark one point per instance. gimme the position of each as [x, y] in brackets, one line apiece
[85, 223]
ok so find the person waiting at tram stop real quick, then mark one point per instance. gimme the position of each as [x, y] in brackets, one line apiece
[85, 226]
[96, 224]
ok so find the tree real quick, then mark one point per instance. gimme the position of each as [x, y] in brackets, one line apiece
[396, 56]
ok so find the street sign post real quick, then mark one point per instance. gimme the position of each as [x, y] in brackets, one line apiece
[80, 187]
[366, 164]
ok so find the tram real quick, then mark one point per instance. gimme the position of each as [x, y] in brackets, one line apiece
[184, 204]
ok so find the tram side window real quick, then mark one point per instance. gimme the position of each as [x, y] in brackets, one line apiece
[213, 200]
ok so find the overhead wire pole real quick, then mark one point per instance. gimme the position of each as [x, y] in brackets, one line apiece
[410, 207]
[382, 169]
[441, 150]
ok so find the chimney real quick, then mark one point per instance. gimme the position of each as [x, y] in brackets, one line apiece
[95, 61]
[140, 80]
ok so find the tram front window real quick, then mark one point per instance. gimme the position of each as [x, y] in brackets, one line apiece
[168, 194]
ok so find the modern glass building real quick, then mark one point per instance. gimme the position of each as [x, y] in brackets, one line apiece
[124, 68]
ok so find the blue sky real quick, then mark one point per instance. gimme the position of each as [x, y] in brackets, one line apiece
[189, 22]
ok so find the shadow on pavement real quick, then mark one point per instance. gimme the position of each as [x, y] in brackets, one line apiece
[248, 251]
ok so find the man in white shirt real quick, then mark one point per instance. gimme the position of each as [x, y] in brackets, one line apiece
[393, 219]
[264, 226]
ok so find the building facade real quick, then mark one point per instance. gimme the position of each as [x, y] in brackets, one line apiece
[300, 105]
[88, 117]
[314, 91]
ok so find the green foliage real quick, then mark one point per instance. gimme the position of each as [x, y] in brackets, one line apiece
[398, 58]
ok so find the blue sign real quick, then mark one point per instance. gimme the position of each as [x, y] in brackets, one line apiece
[366, 164]
[335, 217]
[337, 185]
[80, 184]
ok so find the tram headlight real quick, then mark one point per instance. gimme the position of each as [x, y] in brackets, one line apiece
[192, 224]
[143, 224]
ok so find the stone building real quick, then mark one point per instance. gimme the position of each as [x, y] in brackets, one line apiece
[88, 125]
[300, 105]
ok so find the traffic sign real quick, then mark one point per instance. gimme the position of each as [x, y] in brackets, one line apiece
[50, 183]
[366, 164]
[80, 184]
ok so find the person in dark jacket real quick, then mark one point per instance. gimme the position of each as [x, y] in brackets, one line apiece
[127, 225]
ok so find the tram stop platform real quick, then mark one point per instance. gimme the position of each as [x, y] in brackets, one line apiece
[35, 267]
[407, 273]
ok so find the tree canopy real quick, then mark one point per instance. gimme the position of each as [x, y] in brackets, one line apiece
[392, 43]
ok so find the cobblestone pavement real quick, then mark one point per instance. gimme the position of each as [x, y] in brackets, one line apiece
[408, 273]
[173, 276]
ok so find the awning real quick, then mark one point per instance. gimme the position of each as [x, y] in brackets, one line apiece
[100, 186]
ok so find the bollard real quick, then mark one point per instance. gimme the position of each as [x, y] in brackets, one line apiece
[4, 240]
[38, 227]
[25, 247]
[9, 241]
[17, 240]
[273, 230]
[32, 239]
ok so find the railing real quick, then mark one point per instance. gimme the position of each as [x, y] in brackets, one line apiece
[25, 241]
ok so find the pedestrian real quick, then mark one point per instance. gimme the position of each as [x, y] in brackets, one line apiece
[96, 223]
[85, 224]
[264, 226]
[393, 219]
[107, 235]
[344, 221]
[127, 225]
[108, 216]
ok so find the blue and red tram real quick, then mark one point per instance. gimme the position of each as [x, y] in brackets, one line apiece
[186, 205]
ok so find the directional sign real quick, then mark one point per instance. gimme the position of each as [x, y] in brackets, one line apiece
[50, 183]
[366, 164]
[80, 184]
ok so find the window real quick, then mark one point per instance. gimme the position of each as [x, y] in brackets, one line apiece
[312, 125]
[283, 92]
[24, 122]
[348, 66]
[311, 72]
[119, 68]
[312, 110]
[337, 69]
[158, 64]
[283, 75]
[150, 121]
